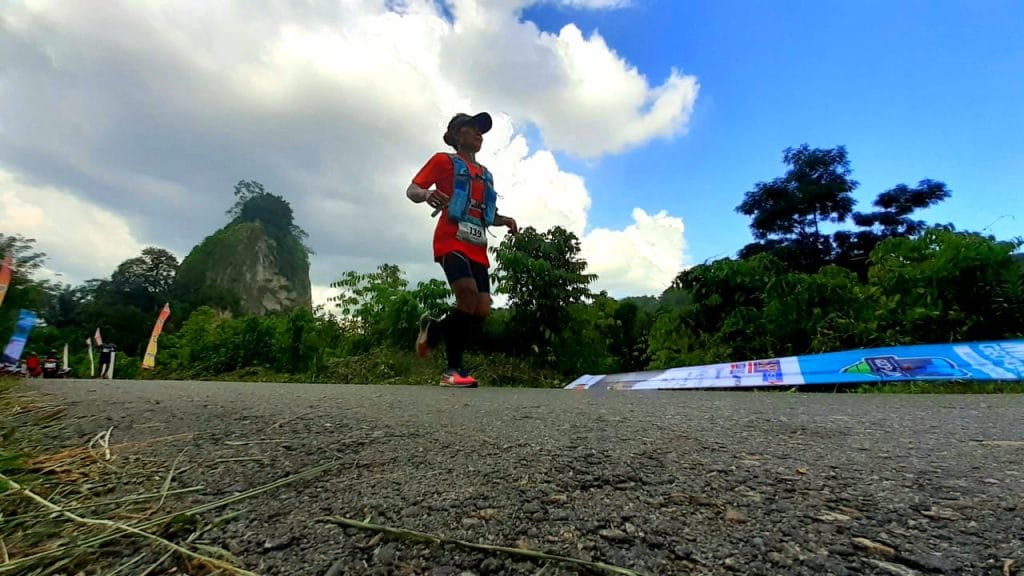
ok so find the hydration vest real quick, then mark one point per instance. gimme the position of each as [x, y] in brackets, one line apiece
[458, 206]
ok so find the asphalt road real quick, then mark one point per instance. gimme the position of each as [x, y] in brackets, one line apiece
[657, 482]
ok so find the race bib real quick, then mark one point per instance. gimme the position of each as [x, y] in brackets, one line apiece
[472, 233]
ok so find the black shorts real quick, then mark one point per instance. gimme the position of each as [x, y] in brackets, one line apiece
[457, 266]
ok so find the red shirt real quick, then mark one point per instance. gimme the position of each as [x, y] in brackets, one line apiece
[439, 172]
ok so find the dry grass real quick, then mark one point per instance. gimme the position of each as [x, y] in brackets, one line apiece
[69, 510]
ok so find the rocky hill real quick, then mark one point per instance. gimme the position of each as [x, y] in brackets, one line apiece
[256, 265]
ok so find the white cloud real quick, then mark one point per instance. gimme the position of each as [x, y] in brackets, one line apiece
[533, 188]
[642, 259]
[585, 99]
[78, 237]
[153, 111]
[321, 293]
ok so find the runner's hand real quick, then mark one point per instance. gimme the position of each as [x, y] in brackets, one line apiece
[437, 199]
[510, 222]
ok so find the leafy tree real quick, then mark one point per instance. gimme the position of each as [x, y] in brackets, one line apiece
[947, 286]
[625, 325]
[543, 275]
[145, 282]
[674, 297]
[724, 319]
[433, 296]
[26, 290]
[123, 306]
[380, 306]
[245, 190]
[820, 312]
[788, 211]
[942, 286]
[22, 251]
[891, 220]
[152, 272]
[296, 337]
[897, 204]
[582, 346]
[253, 203]
[66, 307]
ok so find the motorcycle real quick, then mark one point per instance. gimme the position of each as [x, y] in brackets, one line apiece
[52, 369]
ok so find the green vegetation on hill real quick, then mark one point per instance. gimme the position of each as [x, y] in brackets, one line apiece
[255, 264]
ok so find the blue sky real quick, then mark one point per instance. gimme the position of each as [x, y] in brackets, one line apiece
[913, 89]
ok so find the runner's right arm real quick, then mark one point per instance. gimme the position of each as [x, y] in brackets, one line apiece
[417, 194]
[419, 189]
[432, 197]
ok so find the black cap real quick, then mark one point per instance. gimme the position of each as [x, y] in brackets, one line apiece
[482, 121]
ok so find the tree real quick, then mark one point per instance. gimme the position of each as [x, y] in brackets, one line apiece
[254, 204]
[146, 281]
[25, 290]
[22, 251]
[945, 286]
[379, 306]
[891, 220]
[543, 276]
[629, 340]
[788, 211]
[123, 306]
[725, 318]
[66, 307]
[245, 190]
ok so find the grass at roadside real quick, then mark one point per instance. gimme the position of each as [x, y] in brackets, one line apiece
[99, 507]
[389, 366]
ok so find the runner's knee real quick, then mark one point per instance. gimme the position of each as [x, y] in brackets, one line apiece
[466, 295]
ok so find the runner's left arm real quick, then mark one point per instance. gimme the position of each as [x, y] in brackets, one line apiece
[508, 221]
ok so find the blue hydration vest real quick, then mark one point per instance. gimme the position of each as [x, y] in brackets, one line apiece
[458, 206]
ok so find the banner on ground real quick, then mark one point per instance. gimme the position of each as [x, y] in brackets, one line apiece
[995, 360]
[16, 345]
[149, 360]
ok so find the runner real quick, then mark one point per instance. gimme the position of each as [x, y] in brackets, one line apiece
[464, 194]
[107, 350]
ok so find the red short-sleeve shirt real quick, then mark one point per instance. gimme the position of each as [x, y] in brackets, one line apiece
[440, 173]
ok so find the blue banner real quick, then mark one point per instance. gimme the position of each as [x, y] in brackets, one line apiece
[996, 360]
[26, 321]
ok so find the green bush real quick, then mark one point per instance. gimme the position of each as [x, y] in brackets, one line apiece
[943, 286]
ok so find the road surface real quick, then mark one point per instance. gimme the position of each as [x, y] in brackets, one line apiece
[657, 482]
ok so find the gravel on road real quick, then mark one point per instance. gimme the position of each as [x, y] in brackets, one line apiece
[663, 482]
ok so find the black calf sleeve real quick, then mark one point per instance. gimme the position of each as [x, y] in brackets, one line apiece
[457, 325]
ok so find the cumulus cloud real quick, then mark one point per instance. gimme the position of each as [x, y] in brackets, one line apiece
[143, 115]
[641, 259]
[77, 236]
[585, 99]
